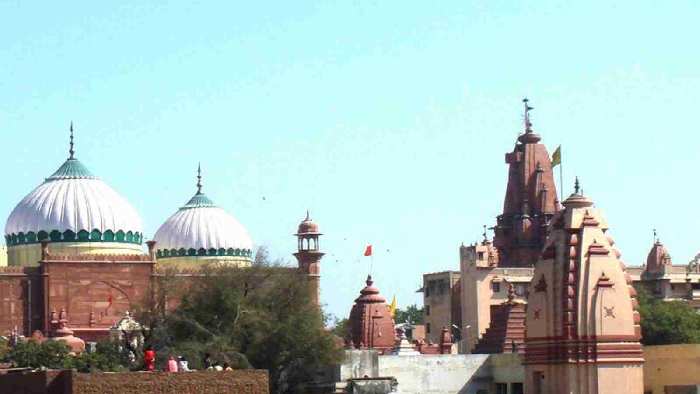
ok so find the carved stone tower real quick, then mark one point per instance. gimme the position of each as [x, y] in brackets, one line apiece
[582, 324]
[530, 201]
[309, 255]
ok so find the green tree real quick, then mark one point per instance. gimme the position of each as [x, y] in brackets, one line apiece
[107, 357]
[667, 322]
[341, 328]
[261, 316]
[32, 354]
[412, 314]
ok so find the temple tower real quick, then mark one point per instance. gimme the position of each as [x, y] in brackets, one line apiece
[530, 200]
[582, 324]
[309, 255]
[371, 324]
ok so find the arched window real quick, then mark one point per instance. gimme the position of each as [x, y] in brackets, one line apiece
[120, 236]
[31, 237]
[211, 252]
[202, 252]
[181, 252]
[42, 235]
[129, 236]
[191, 252]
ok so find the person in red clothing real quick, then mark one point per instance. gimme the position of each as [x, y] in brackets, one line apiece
[149, 358]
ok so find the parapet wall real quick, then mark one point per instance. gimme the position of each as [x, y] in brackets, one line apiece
[68, 382]
[438, 374]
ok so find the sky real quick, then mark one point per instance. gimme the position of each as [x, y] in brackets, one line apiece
[388, 120]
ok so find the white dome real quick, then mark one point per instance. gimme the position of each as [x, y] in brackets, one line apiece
[200, 228]
[73, 205]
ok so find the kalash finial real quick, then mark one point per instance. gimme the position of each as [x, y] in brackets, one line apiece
[485, 234]
[526, 116]
[71, 151]
[307, 215]
[577, 186]
[199, 178]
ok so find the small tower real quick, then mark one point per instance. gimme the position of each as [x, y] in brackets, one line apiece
[309, 256]
[371, 324]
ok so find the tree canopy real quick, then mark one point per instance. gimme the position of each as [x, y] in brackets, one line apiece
[260, 317]
[667, 322]
[412, 314]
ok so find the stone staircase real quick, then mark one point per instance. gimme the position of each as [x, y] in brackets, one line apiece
[506, 334]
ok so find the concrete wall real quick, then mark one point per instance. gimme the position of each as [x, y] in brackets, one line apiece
[434, 374]
[672, 369]
[437, 374]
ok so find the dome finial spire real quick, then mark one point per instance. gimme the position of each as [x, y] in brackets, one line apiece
[199, 178]
[526, 116]
[71, 151]
[307, 214]
[577, 186]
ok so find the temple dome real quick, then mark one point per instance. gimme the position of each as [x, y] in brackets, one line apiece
[73, 205]
[308, 226]
[200, 228]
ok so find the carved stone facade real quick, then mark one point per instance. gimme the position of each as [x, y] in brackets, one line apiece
[489, 267]
[582, 324]
[371, 324]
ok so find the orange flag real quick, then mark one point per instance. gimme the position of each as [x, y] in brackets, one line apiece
[368, 250]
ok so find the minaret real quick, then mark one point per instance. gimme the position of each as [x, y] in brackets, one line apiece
[582, 321]
[309, 255]
[530, 200]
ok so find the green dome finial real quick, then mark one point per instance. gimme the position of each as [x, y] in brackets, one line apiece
[199, 178]
[71, 150]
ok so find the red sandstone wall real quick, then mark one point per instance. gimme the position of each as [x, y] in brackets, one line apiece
[67, 382]
[108, 289]
[16, 284]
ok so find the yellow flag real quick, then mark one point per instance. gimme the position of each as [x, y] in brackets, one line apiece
[392, 307]
[556, 157]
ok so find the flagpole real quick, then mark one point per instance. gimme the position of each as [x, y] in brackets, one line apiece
[561, 181]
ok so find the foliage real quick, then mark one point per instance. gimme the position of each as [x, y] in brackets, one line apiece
[32, 354]
[107, 357]
[667, 322]
[412, 314]
[4, 348]
[260, 317]
[341, 328]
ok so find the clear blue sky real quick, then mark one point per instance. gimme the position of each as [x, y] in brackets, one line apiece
[388, 119]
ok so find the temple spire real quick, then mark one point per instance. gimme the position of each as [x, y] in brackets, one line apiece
[71, 151]
[526, 116]
[199, 178]
[307, 214]
[577, 186]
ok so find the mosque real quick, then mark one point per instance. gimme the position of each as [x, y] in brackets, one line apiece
[75, 245]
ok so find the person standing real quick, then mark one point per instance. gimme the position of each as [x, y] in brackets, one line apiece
[172, 364]
[149, 359]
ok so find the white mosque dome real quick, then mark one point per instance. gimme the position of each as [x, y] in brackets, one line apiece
[72, 205]
[200, 228]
